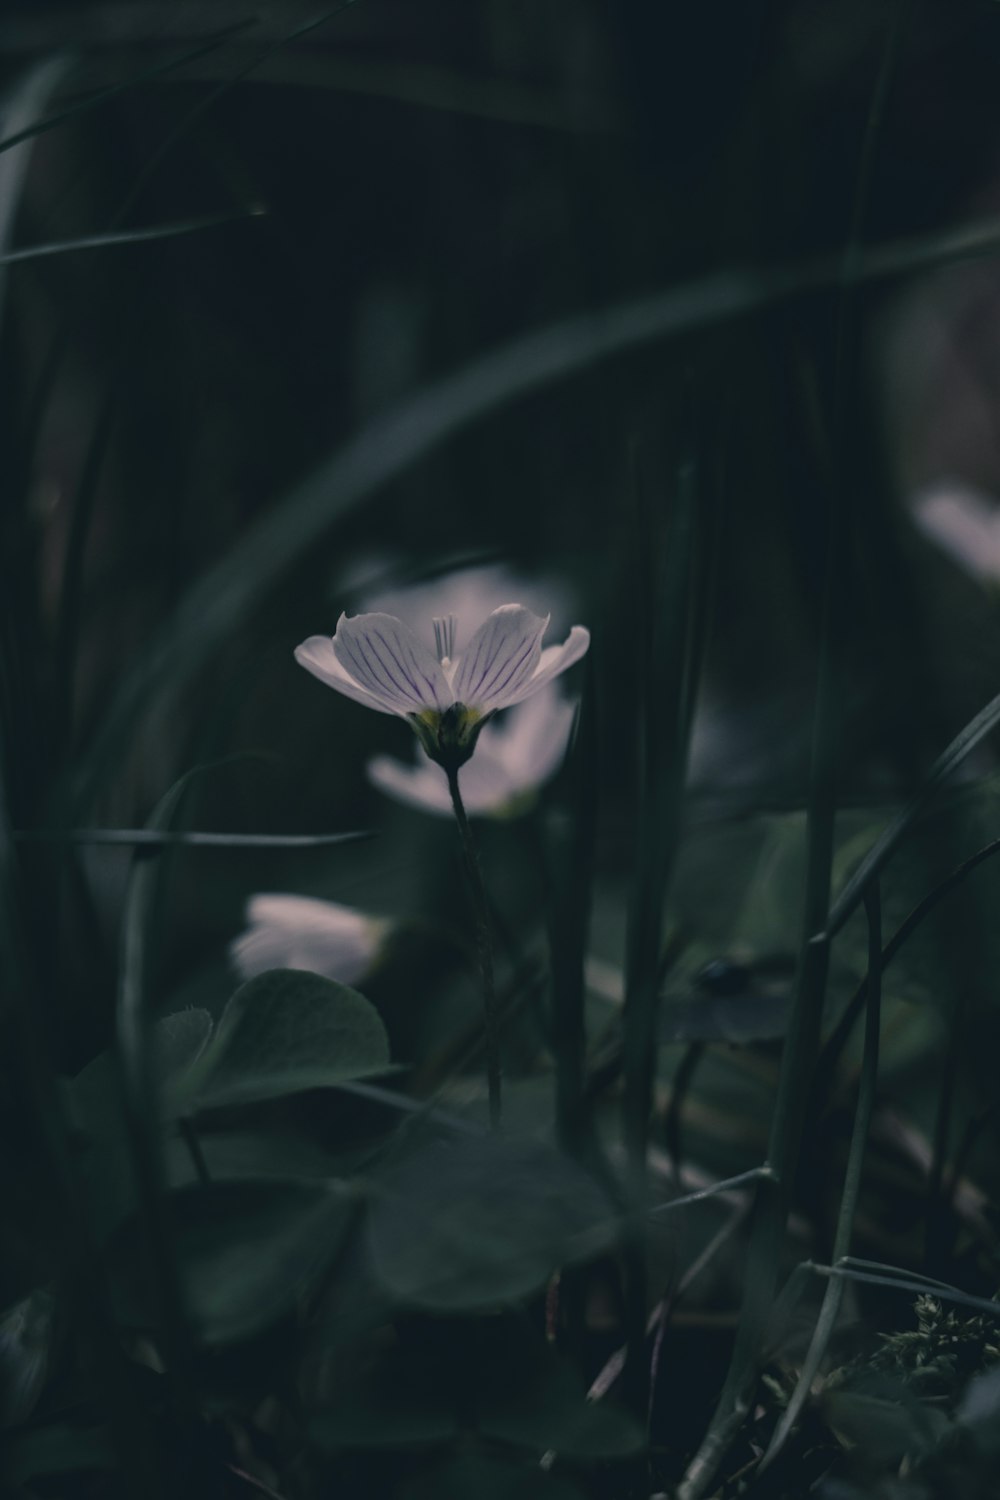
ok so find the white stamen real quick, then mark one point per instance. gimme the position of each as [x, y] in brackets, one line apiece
[444, 637]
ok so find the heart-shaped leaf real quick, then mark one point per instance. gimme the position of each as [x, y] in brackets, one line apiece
[487, 1478]
[528, 1395]
[478, 1221]
[405, 1401]
[45, 1452]
[247, 1252]
[281, 1033]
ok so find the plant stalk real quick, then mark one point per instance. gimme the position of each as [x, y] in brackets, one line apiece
[484, 947]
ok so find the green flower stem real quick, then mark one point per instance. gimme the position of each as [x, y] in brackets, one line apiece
[484, 947]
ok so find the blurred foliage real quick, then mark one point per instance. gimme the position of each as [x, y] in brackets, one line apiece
[403, 304]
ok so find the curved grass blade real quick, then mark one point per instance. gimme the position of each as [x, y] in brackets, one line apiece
[838, 1037]
[569, 922]
[800, 1053]
[140, 1101]
[39, 127]
[834, 1295]
[159, 838]
[84, 1288]
[127, 237]
[26, 99]
[907, 1283]
[205, 104]
[742, 1179]
[879, 854]
[392, 443]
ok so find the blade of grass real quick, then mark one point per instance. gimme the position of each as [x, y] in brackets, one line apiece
[156, 159]
[127, 237]
[569, 922]
[39, 127]
[671, 622]
[800, 1053]
[838, 1037]
[67, 628]
[139, 1091]
[159, 838]
[30, 94]
[798, 1056]
[665, 695]
[114, 235]
[753, 1174]
[390, 444]
[908, 1283]
[833, 1297]
[885, 845]
[86, 1291]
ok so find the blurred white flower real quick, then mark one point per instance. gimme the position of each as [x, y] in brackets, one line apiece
[470, 594]
[448, 698]
[514, 757]
[965, 524]
[303, 932]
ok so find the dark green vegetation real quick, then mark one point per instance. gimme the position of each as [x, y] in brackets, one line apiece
[671, 316]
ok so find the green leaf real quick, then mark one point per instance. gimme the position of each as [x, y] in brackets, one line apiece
[235, 1156]
[771, 913]
[476, 1476]
[284, 1032]
[247, 1252]
[175, 1043]
[886, 1428]
[980, 1411]
[179, 1040]
[495, 1374]
[25, 1338]
[406, 1401]
[529, 1396]
[480, 1221]
[60, 1449]
[94, 1106]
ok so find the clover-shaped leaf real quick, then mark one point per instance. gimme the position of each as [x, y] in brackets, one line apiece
[480, 1221]
[281, 1033]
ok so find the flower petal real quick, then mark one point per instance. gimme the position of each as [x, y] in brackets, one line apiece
[387, 660]
[501, 657]
[317, 656]
[423, 785]
[553, 660]
[534, 737]
[302, 932]
[963, 522]
[484, 781]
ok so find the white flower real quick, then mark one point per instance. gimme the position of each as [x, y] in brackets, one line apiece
[447, 699]
[468, 593]
[963, 522]
[514, 756]
[302, 932]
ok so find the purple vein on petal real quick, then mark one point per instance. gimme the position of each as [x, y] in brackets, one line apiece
[383, 655]
[515, 666]
[370, 669]
[396, 659]
[500, 656]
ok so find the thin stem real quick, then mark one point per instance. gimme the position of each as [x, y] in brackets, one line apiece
[834, 1295]
[484, 947]
[189, 1135]
[801, 1049]
[936, 1231]
[840, 1033]
[673, 1120]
